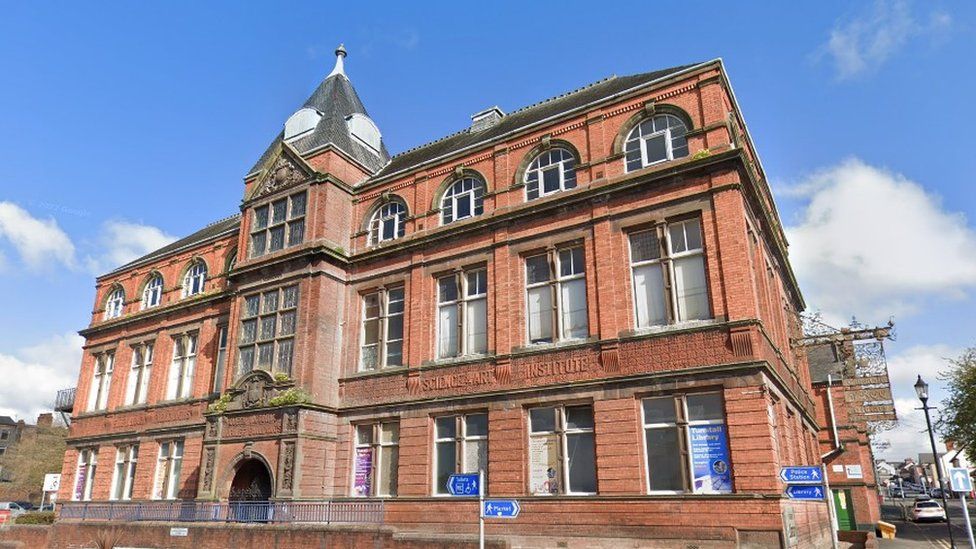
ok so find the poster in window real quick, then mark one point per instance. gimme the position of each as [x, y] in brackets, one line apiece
[80, 483]
[362, 483]
[710, 459]
[544, 465]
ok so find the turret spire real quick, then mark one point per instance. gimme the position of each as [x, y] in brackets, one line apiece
[339, 67]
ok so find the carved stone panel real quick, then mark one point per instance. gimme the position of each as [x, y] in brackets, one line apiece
[288, 466]
[283, 174]
[208, 469]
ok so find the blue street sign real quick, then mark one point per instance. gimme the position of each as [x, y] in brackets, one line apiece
[960, 480]
[500, 508]
[801, 475]
[805, 492]
[463, 485]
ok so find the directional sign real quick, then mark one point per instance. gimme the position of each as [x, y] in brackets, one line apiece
[500, 508]
[960, 480]
[801, 475]
[463, 485]
[805, 492]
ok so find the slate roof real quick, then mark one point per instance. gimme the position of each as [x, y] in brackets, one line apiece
[824, 360]
[335, 99]
[526, 116]
[213, 230]
[7, 420]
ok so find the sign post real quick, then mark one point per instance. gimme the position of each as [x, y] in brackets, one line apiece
[471, 484]
[809, 483]
[962, 484]
[481, 509]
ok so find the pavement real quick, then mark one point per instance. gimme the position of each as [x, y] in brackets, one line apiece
[928, 535]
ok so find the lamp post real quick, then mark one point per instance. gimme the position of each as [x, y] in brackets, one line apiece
[922, 390]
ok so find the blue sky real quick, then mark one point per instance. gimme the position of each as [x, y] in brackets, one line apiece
[125, 126]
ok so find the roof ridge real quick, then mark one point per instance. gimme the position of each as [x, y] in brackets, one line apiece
[218, 222]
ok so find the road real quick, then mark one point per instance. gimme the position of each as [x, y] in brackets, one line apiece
[924, 535]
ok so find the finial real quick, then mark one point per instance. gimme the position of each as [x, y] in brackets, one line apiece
[339, 68]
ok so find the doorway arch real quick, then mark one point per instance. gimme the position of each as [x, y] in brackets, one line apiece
[252, 482]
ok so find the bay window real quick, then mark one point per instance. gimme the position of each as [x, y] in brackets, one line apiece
[382, 330]
[460, 446]
[462, 314]
[562, 456]
[376, 459]
[556, 296]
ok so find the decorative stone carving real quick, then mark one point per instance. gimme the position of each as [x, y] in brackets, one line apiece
[283, 174]
[291, 421]
[288, 466]
[208, 468]
[254, 390]
[212, 427]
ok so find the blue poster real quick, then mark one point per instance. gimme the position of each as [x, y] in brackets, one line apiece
[710, 459]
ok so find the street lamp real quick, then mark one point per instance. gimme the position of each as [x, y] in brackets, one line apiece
[922, 390]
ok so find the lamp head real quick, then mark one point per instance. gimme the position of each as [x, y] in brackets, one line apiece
[922, 390]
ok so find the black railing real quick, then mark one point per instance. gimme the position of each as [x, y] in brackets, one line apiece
[65, 401]
[325, 512]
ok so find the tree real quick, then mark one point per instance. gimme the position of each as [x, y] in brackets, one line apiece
[39, 451]
[958, 422]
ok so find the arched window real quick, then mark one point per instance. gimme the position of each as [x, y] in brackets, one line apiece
[195, 278]
[655, 140]
[387, 222]
[114, 303]
[462, 199]
[152, 294]
[552, 171]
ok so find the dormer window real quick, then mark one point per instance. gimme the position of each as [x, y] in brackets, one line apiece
[195, 278]
[114, 303]
[152, 294]
[387, 222]
[301, 123]
[654, 140]
[364, 131]
[463, 199]
[550, 172]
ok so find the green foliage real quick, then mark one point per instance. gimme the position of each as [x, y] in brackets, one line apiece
[42, 517]
[288, 397]
[281, 377]
[704, 153]
[220, 405]
[38, 452]
[339, 250]
[958, 422]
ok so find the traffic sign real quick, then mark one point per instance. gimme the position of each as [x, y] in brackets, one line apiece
[463, 485]
[960, 480]
[805, 492]
[500, 508]
[801, 475]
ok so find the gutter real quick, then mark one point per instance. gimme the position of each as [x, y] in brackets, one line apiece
[833, 421]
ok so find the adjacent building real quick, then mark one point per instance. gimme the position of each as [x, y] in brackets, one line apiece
[589, 298]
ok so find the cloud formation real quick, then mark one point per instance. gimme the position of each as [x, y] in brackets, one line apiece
[40, 243]
[865, 42]
[873, 243]
[122, 241]
[33, 375]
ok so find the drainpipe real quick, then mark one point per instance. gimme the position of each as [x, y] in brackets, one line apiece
[833, 420]
[828, 495]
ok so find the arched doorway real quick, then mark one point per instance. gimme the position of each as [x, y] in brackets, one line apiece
[250, 492]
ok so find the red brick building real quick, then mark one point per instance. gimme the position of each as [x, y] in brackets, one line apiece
[590, 298]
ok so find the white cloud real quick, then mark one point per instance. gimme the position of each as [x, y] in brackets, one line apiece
[33, 375]
[865, 42]
[39, 242]
[122, 241]
[874, 243]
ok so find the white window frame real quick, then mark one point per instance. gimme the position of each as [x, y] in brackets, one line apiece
[152, 294]
[682, 424]
[195, 279]
[555, 282]
[636, 135]
[169, 467]
[292, 224]
[183, 366]
[101, 381]
[271, 307]
[376, 444]
[140, 372]
[666, 260]
[461, 439]
[123, 475]
[566, 167]
[463, 305]
[220, 363]
[115, 303]
[384, 339]
[393, 211]
[562, 432]
[470, 189]
[87, 461]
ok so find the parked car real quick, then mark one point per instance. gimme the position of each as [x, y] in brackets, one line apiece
[928, 510]
[936, 492]
[895, 492]
[15, 509]
[46, 507]
[25, 505]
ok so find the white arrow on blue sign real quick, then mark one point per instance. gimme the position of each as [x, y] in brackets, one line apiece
[463, 485]
[960, 480]
[805, 492]
[500, 508]
[801, 475]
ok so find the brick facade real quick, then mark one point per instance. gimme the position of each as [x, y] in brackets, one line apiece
[742, 351]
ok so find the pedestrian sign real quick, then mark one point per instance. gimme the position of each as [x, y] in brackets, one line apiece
[960, 480]
[801, 475]
[500, 508]
[805, 492]
[463, 485]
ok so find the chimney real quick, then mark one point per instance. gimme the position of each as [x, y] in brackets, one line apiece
[45, 420]
[486, 118]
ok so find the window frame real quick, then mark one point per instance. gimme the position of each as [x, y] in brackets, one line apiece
[102, 371]
[287, 224]
[682, 423]
[166, 483]
[152, 293]
[555, 282]
[456, 193]
[196, 272]
[461, 304]
[186, 364]
[461, 439]
[114, 302]
[376, 444]
[377, 219]
[562, 433]
[220, 360]
[140, 373]
[635, 134]
[282, 309]
[383, 330]
[90, 465]
[539, 170]
[123, 475]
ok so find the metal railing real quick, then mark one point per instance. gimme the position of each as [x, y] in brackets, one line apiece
[323, 512]
[65, 401]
